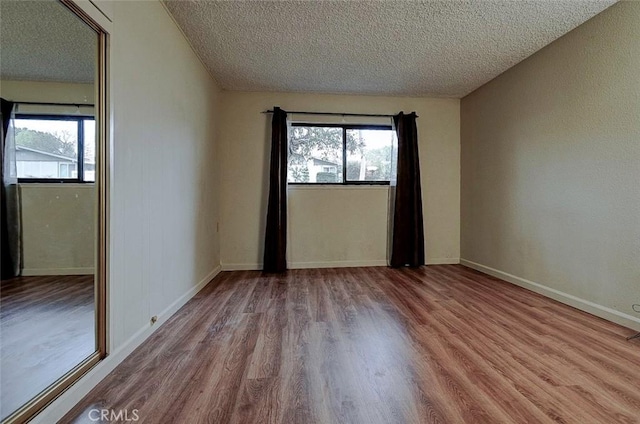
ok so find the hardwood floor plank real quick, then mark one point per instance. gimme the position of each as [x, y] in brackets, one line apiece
[436, 344]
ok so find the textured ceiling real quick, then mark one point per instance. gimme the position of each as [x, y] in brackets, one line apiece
[436, 48]
[44, 41]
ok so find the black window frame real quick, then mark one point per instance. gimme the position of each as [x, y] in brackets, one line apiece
[344, 127]
[80, 164]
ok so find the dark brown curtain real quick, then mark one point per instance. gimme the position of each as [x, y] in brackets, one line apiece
[275, 241]
[407, 240]
[10, 212]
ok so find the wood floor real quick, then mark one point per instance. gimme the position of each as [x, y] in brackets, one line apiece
[46, 328]
[438, 344]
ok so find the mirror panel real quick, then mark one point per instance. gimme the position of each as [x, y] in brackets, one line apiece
[49, 77]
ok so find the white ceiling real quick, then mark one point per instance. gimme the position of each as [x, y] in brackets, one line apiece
[45, 41]
[434, 48]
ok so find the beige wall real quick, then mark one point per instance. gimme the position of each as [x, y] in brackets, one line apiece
[357, 236]
[58, 228]
[56, 92]
[337, 226]
[164, 193]
[551, 169]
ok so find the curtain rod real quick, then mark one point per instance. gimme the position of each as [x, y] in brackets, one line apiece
[54, 104]
[336, 114]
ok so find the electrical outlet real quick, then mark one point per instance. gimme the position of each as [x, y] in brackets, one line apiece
[154, 319]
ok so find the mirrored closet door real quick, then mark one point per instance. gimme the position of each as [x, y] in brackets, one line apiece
[52, 289]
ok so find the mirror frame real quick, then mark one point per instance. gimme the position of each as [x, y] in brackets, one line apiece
[29, 410]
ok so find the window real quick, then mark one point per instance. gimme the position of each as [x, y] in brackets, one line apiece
[340, 154]
[55, 148]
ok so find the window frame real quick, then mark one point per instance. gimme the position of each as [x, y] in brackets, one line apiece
[79, 119]
[344, 127]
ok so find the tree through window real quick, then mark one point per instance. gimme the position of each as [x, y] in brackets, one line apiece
[340, 154]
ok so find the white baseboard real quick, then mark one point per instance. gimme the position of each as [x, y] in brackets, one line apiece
[568, 299]
[333, 264]
[306, 265]
[242, 267]
[442, 261]
[56, 410]
[32, 272]
[337, 264]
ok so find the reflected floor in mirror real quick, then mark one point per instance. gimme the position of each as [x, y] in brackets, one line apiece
[46, 328]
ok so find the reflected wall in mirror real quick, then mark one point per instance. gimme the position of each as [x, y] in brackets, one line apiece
[48, 72]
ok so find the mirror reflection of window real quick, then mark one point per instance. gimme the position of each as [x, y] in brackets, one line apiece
[50, 147]
[48, 65]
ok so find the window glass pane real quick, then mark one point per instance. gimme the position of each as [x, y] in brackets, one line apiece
[89, 150]
[369, 154]
[315, 155]
[43, 146]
